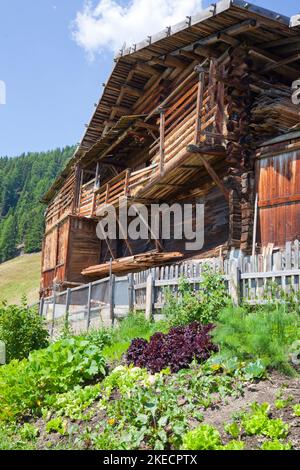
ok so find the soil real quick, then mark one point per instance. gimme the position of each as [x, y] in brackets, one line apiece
[260, 392]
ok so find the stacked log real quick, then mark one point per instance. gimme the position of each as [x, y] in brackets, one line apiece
[273, 111]
[240, 149]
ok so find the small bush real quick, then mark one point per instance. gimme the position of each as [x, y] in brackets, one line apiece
[175, 350]
[22, 331]
[202, 306]
[266, 333]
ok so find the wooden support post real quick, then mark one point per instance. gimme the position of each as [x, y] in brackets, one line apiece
[80, 189]
[255, 225]
[162, 141]
[125, 236]
[152, 233]
[126, 185]
[68, 301]
[131, 292]
[201, 71]
[235, 283]
[149, 297]
[96, 187]
[88, 318]
[209, 169]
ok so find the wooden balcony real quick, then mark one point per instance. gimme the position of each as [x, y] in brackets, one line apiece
[125, 184]
[194, 115]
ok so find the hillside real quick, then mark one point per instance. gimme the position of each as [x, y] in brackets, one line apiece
[23, 181]
[20, 276]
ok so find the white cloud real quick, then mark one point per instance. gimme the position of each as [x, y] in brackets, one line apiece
[108, 24]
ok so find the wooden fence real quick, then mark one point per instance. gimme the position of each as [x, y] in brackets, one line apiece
[253, 279]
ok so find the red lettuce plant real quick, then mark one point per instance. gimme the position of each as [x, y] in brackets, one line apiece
[176, 349]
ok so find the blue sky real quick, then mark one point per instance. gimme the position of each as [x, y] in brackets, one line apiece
[52, 79]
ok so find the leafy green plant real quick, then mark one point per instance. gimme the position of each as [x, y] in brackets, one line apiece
[205, 437]
[276, 445]
[57, 369]
[276, 429]
[280, 403]
[257, 422]
[73, 404]
[233, 429]
[233, 445]
[22, 330]
[264, 334]
[296, 410]
[56, 425]
[29, 432]
[202, 306]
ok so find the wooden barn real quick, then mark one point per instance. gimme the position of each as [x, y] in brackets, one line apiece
[202, 111]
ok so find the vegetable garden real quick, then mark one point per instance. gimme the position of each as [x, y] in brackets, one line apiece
[208, 377]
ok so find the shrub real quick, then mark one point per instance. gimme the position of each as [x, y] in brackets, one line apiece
[202, 306]
[175, 350]
[267, 333]
[22, 331]
[57, 369]
[205, 437]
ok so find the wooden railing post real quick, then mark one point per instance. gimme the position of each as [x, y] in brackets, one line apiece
[131, 292]
[149, 297]
[235, 283]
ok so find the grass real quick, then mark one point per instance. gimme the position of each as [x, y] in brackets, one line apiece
[20, 276]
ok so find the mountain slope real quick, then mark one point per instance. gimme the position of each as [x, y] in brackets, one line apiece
[23, 181]
[20, 276]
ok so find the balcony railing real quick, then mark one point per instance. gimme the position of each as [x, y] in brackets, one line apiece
[126, 184]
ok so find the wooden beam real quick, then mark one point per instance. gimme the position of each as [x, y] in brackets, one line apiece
[287, 60]
[150, 230]
[162, 141]
[228, 39]
[146, 69]
[234, 30]
[168, 61]
[171, 96]
[121, 110]
[217, 150]
[116, 142]
[146, 125]
[280, 42]
[214, 177]
[125, 237]
[132, 91]
[273, 59]
[201, 71]
[201, 152]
